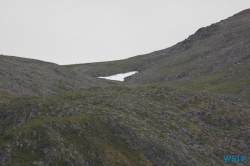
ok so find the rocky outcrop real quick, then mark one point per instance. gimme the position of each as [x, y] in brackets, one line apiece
[5, 154]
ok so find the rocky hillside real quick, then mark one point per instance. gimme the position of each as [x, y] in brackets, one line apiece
[188, 105]
[213, 59]
[21, 76]
[107, 126]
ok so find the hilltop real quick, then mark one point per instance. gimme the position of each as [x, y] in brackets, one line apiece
[22, 76]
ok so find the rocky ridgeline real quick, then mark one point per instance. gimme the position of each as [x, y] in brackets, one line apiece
[213, 59]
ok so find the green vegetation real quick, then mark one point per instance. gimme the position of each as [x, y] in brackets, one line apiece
[106, 126]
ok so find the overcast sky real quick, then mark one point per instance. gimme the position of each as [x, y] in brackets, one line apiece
[81, 31]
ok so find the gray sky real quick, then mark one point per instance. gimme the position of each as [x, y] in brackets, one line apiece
[81, 31]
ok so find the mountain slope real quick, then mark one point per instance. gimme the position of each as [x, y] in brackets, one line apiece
[21, 76]
[107, 126]
[213, 59]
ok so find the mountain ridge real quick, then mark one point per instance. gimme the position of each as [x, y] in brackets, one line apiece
[213, 52]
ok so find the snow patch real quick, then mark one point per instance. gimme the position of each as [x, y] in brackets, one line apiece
[120, 77]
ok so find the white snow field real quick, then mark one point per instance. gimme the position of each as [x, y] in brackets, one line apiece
[120, 77]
